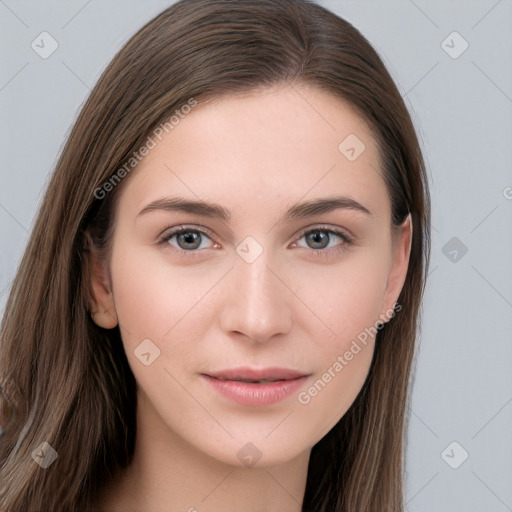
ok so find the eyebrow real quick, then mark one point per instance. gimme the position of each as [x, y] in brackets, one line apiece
[297, 211]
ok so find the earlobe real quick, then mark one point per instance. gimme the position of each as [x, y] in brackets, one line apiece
[402, 244]
[107, 319]
[101, 299]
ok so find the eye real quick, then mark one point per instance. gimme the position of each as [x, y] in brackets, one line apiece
[187, 239]
[320, 238]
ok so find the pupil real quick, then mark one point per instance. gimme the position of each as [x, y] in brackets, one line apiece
[318, 234]
[189, 239]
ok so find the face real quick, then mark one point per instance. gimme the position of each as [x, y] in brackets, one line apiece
[265, 287]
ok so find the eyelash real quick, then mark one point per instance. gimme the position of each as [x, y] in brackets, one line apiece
[347, 240]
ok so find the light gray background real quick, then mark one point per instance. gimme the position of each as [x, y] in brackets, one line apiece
[462, 109]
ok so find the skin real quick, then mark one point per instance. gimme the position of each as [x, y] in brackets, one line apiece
[255, 154]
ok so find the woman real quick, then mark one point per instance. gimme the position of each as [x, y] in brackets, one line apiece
[261, 368]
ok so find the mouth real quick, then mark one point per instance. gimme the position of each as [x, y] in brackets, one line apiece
[251, 387]
[260, 376]
[264, 381]
[248, 381]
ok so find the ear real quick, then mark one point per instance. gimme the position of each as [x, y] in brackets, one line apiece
[402, 241]
[101, 299]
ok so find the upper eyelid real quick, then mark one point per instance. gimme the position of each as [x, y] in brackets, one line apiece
[321, 227]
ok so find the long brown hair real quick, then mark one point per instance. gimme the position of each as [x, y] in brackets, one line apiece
[69, 379]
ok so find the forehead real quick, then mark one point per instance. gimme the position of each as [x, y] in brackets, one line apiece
[262, 150]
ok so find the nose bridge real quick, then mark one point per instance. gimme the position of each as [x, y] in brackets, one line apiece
[258, 304]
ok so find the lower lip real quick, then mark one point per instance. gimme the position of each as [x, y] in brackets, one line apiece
[247, 393]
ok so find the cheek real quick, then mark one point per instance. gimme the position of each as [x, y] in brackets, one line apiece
[151, 295]
[347, 297]
[162, 302]
[149, 298]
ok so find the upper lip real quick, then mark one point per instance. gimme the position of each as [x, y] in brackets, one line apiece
[247, 373]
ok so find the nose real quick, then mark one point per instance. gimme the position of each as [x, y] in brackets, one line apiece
[257, 302]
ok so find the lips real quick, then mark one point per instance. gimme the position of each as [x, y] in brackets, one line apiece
[246, 374]
[252, 387]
